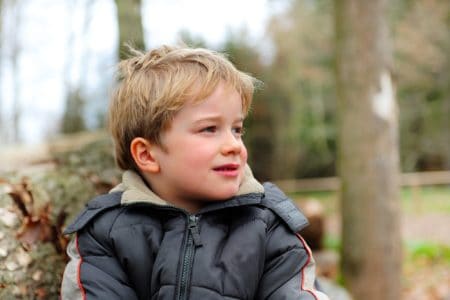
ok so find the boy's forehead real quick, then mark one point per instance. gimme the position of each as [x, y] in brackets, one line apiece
[201, 93]
[221, 99]
[221, 93]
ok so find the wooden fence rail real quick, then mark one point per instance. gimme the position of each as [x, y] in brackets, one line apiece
[332, 183]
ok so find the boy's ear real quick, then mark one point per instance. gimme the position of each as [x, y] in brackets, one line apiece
[141, 150]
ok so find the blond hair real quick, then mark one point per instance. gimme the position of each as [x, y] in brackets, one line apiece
[154, 86]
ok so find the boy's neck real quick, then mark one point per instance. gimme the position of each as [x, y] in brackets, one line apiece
[190, 205]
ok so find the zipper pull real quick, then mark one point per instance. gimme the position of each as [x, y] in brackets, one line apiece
[193, 229]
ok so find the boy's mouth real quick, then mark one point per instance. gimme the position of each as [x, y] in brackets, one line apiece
[228, 170]
[227, 167]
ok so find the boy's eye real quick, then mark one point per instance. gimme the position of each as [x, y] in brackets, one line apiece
[238, 130]
[211, 129]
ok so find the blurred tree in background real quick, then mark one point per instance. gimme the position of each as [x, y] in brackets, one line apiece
[12, 53]
[2, 133]
[301, 73]
[422, 48]
[131, 29]
[73, 119]
[368, 161]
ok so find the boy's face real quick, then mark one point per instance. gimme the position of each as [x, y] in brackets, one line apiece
[204, 156]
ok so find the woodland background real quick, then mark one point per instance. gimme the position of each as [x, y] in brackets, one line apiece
[292, 133]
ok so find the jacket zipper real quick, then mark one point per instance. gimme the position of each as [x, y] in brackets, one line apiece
[193, 241]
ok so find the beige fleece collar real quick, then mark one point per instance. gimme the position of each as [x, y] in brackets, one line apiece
[135, 190]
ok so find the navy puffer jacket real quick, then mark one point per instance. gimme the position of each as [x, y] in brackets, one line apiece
[129, 247]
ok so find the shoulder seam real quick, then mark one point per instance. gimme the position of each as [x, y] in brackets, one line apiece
[92, 209]
[121, 210]
[283, 207]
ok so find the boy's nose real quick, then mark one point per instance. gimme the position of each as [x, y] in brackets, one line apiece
[231, 145]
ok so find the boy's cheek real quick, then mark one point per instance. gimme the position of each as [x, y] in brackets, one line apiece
[244, 154]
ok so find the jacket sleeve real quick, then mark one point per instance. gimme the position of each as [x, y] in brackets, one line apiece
[289, 271]
[93, 272]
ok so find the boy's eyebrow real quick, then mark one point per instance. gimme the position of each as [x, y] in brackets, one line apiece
[217, 118]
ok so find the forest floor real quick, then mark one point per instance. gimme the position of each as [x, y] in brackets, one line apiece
[426, 238]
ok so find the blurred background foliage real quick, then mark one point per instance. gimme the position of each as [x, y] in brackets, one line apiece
[294, 114]
[296, 107]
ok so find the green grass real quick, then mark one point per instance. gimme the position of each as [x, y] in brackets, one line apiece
[415, 251]
[432, 252]
[332, 242]
[426, 199]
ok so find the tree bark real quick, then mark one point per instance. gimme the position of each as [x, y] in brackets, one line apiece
[40, 195]
[130, 25]
[2, 127]
[73, 119]
[16, 49]
[368, 161]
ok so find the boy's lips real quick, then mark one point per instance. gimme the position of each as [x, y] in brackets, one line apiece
[230, 170]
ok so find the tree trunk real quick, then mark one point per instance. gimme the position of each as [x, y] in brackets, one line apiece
[2, 126]
[130, 25]
[368, 162]
[73, 119]
[42, 189]
[16, 49]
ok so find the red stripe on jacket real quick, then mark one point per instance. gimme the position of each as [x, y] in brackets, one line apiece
[302, 284]
[80, 285]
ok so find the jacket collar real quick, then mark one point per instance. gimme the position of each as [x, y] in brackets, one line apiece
[135, 190]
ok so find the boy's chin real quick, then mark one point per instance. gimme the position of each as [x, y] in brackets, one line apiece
[225, 194]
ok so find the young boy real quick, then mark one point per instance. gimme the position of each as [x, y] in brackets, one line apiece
[188, 221]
